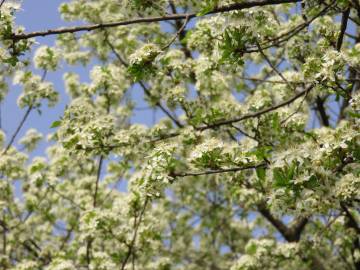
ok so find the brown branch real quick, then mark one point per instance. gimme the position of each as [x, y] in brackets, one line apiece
[273, 66]
[142, 84]
[158, 104]
[236, 169]
[180, 30]
[220, 123]
[344, 21]
[22, 122]
[352, 223]
[12, 139]
[235, 6]
[291, 33]
[2, 2]
[182, 33]
[277, 223]
[259, 113]
[299, 82]
[4, 233]
[324, 118]
[98, 173]
[245, 133]
[270, 81]
[132, 244]
[65, 197]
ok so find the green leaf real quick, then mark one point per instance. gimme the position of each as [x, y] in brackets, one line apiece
[205, 11]
[55, 124]
[280, 178]
[312, 182]
[37, 167]
[354, 114]
[13, 60]
[261, 173]
[72, 142]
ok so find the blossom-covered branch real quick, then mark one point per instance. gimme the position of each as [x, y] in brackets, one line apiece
[188, 16]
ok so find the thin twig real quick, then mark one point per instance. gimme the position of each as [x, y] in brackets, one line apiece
[23, 120]
[293, 82]
[142, 84]
[291, 33]
[176, 35]
[2, 2]
[296, 111]
[273, 66]
[12, 139]
[98, 174]
[245, 133]
[259, 113]
[65, 197]
[132, 244]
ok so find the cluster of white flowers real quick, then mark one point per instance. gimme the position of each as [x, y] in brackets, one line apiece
[98, 222]
[72, 84]
[207, 152]
[61, 264]
[267, 253]
[110, 79]
[355, 102]
[70, 49]
[46, 58]
[12, 164]
[203, 36]
[112, 193]
[157, 172]
[146, 54]
[34, 90]
[31, 139]
[348, 187]
[27, 265]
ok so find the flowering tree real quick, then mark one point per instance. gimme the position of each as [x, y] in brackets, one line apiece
[254, 163]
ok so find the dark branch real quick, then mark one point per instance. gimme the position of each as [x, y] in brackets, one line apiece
[259, 113]
[142, 84]
[324, 118]
[12, 139]
[98, 173]
[344, 21]
[236, 6]
[132, 244]
[217, 171]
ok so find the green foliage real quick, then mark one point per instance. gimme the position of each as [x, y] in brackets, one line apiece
[234, 44]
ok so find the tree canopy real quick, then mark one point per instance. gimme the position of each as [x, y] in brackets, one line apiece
[253, 160]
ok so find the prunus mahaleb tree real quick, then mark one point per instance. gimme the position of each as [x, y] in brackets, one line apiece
[253, 164]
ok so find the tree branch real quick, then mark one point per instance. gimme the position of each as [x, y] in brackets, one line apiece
[259, 113]
[344, 21]
[180, 30]
[273, 66]
[132, 244]
[322, 111]
[236, 6]
[142, 84]
[12, 139]
[2, 2]
[22, 122]
[217, 171]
